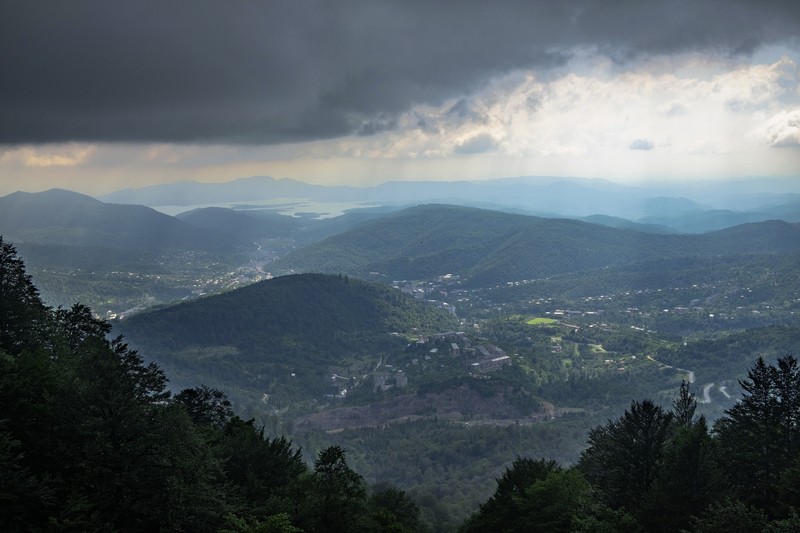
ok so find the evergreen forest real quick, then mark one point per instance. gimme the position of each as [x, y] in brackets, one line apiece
[92, 440]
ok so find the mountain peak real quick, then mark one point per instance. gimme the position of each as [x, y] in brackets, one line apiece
[54, 194]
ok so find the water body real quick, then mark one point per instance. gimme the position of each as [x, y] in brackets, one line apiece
[293, 207]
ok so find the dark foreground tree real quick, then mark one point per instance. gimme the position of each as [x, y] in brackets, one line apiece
[731, 516]
[90, 439]
[264, 473]
[391, 510]
[684, 406]
[687, 479]
[621, 460]
[759, 438]
[542, 496]
[206, 406]
[687, 482]
[22, 315]
[502, 511]
[338, 503]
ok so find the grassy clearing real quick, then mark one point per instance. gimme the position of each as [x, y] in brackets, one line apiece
[541, 321]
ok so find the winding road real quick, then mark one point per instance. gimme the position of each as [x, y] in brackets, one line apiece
[690, 373]
[691, 378]
[707, 393]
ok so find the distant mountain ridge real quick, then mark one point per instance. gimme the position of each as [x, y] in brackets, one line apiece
[243, 223]
[686, 207]
[189, 193]
[489, 247]
[624, 223]
[266, 224]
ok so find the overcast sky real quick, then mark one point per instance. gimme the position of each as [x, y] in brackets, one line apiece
[99, 95]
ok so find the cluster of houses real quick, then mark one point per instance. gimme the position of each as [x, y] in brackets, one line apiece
[479, 359]
[383, 381]
[339, 386]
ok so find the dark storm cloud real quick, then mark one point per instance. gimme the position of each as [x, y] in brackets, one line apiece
[264, 72]
[377, 124]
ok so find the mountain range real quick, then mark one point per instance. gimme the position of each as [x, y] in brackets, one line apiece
[63, 231]
[256, 224]
[489, 247]
[683, 207]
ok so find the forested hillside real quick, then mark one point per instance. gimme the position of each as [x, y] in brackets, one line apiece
[279, 337]
[92, 440]
[488, 247]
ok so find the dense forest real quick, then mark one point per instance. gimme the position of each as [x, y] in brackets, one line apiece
[654, 469]
[91, 439]
[282, 336]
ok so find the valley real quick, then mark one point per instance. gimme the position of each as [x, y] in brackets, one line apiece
[580, 345]
[462, 336]
[128, 285]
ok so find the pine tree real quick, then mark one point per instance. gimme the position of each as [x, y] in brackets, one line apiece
[23, 317]
[622, 458]
[758, 437]
[338, 503]
[684, 406]
[264, 472]
[206, 406]
[392, 510]
[687, 482]
[502, 511]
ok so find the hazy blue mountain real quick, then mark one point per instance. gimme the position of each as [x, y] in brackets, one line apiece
[664, 206]
[61, 217]
[189, 193]
[740, 194]
[789, 211]
[243, 223]
[489, 247]
[770, 236]
[679, 206]
[559, 196]
[624, 223]
[701, 221]
[267, 224]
